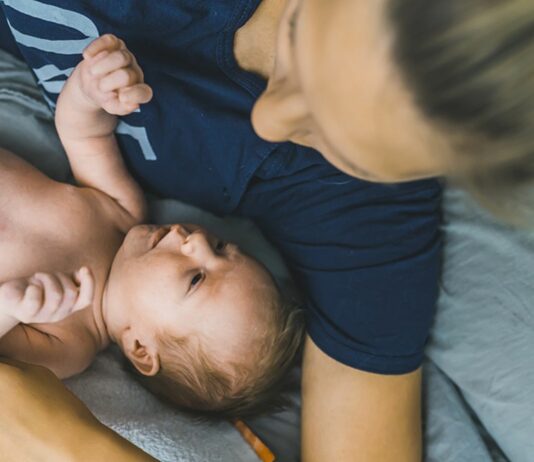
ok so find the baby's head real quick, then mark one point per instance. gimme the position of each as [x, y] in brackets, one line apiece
[203, 323]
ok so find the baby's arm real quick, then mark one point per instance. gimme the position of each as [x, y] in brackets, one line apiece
[41, 300]
[106, 84]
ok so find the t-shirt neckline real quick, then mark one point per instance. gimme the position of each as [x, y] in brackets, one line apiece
[226, 60]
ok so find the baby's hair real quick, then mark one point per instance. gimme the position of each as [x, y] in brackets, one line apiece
[191, 380]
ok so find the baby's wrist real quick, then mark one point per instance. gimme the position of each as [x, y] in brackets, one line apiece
[8, 301]
[79, 117]
[7, 321]
[9, 313]
[76, 96]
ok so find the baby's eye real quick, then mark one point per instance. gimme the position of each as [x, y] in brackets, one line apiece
[196, 279]
[220, 245]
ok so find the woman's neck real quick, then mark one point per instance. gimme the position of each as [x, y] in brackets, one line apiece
[255, 41]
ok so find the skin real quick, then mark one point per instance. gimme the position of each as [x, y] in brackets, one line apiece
[35, 437]
[333, 86]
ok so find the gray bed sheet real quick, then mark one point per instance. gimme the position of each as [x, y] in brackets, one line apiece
[483, 337]
[479, 378]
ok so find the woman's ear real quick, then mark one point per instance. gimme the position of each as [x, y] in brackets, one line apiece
[144, 357]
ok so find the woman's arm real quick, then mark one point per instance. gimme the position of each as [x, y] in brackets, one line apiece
[106, 84]
[350, 415]
[41, 421]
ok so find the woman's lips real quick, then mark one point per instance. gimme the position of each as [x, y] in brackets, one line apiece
[158, 235]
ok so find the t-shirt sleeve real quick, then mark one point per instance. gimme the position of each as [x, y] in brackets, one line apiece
[366, 256]
[7, 42]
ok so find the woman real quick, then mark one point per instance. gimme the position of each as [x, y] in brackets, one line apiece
[431, 88]
[353, 79]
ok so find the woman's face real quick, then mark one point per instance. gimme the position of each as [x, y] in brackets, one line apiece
[336, 88]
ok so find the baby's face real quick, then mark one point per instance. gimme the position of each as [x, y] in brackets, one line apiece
[181, 281]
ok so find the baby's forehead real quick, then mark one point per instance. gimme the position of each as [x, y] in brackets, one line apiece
[245, 290]
[233, 321]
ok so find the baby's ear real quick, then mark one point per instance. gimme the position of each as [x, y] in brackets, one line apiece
[145, 358]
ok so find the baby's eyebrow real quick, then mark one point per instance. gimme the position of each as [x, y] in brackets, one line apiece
[232, 249]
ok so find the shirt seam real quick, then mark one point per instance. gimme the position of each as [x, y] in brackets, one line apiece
[363, 360]
[224, 49]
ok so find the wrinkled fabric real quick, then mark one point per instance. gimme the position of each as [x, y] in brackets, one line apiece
[483, 338]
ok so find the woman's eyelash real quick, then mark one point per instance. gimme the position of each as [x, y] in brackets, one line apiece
[220, 245]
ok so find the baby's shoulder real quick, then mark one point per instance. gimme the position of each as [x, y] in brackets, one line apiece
[28, 197]
[106, 210]
[16, 172]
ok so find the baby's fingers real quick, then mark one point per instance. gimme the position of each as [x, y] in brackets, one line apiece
[135, 95]
[120, 78]
[107, 42]
[105, 63]
[34, 296]
[53, 296]
[70, 295]
[86, 288]
[32, 302]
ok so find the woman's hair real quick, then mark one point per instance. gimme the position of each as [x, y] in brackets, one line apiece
[191, 379]
[470, 66]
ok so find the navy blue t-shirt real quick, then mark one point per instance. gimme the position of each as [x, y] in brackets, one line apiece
[366, 255]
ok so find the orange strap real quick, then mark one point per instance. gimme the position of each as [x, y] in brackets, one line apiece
[263, 452]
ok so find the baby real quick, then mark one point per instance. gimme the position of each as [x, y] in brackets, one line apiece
[202, 323]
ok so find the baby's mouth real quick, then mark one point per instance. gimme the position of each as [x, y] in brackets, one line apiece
[158, 235]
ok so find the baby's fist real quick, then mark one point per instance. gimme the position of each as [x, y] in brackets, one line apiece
[47, 297]
[111, 77]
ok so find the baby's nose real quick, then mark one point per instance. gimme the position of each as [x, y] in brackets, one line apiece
[197, 244]
[177, 236]
[180, 231]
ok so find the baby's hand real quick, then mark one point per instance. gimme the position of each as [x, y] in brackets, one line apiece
[47, 297]
[110, 77]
